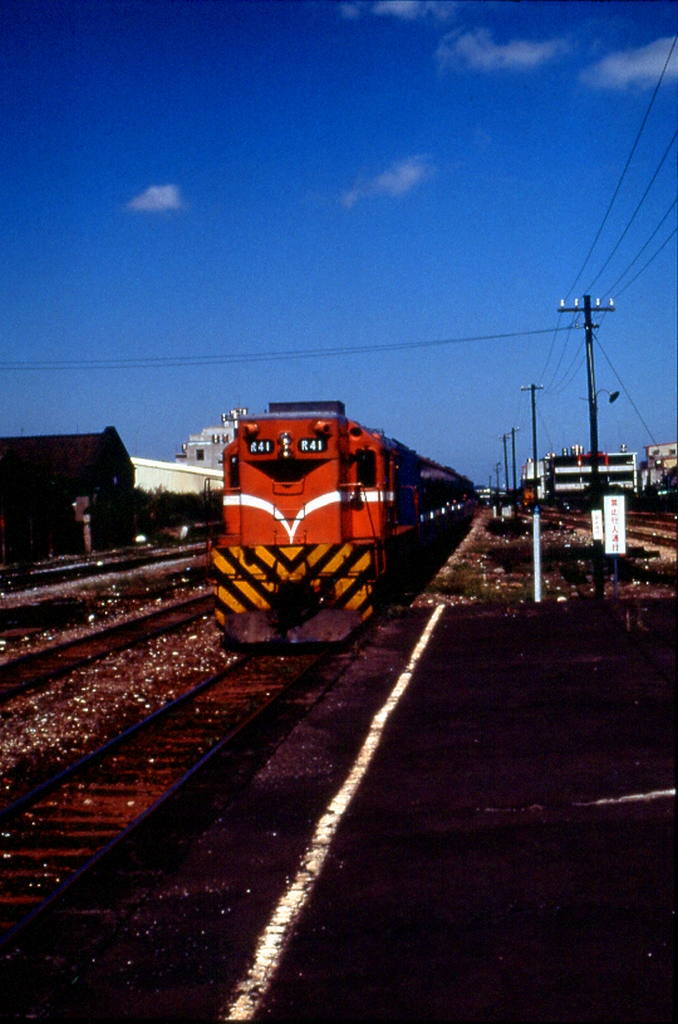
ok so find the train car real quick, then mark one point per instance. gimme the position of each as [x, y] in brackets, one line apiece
[318, 512]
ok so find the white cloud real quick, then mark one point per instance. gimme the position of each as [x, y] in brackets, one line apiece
[396, 181]
[410, 10]
[405, 10]
[350, 11]
[641, 67]
[478, 51]
[157, 199]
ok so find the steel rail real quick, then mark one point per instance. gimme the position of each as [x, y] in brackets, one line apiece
[18, 578]
[642, 530]
[127, 632]
[98, 758]
[97, 755]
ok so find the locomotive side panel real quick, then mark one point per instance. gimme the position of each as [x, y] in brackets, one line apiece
[446, 499]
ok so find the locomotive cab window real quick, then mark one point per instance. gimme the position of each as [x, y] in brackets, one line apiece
[233, 472]
[366, 466]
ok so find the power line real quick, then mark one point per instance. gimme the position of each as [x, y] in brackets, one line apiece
[651, 260]
[545, 429]
[633, 215]
[624, 389]
[613, 288]
[626, 167]
[600, 229]
[563, 350]
[214, 360]
[570, 373]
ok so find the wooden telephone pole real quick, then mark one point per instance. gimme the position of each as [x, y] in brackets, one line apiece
[595, 490]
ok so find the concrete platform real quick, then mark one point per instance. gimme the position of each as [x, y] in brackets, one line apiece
[507, 853]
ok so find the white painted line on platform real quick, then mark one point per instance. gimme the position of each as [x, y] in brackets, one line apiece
[251, 990]
[655, 794]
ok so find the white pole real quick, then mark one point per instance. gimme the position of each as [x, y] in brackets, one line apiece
[536, 540]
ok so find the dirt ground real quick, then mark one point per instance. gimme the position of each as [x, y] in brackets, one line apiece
[494, 563]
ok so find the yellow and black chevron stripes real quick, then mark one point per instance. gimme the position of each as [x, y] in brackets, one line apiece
[249, 578]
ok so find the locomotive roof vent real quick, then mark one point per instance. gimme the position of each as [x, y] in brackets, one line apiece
[331, 408]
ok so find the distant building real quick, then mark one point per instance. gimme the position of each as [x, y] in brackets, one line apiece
[64, 494]
[206, 449]
[153, 476]
[527, 480]
[568, 476]
[658, 471]
[197, 467]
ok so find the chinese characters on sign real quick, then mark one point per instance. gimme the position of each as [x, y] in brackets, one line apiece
[615, 524]
[597, 524]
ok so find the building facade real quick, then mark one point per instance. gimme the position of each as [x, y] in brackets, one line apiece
[658, 471]
[568, 476]
[206, 449]
[152, 475]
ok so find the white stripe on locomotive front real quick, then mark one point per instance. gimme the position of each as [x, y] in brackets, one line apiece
[329, 498]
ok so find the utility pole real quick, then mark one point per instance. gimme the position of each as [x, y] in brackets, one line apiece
[536, 523]
[535, 472]
[595, 490]
[504, 436]
[513, 453]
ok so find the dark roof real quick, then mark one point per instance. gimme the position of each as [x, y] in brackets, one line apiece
[65, 455]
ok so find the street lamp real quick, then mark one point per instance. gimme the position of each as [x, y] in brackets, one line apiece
[614, 395]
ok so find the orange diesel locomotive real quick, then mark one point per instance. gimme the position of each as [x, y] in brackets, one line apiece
[317, 510]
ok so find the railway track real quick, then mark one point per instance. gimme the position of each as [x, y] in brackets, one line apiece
[41, 667]
[655, 529]
[645, 527]
[55, 833]
[24, 577]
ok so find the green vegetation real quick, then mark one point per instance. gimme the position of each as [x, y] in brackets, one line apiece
[165, 517]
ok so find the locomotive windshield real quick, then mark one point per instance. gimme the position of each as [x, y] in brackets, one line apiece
[288, 470]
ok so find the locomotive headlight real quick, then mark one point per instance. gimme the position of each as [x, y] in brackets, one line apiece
[285, 446]
[251, 430]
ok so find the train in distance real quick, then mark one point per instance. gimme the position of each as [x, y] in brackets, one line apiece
[318, 513]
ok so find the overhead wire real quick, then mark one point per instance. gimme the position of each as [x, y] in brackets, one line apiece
[557, 385]
[563, 350]
[651, 260]
[213, 360]
[570, 373]
[626, 167]
[633, 215]
[613, 288]
[542, 421]
[625, 390]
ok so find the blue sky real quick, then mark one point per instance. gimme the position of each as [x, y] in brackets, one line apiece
[206, 205]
